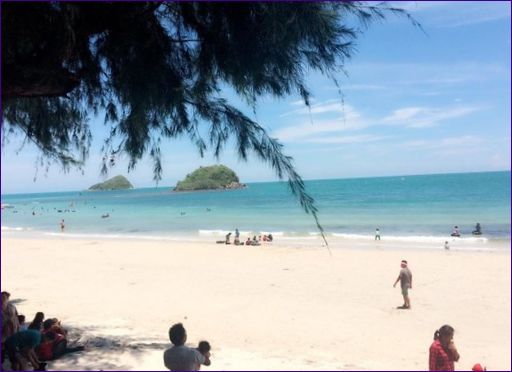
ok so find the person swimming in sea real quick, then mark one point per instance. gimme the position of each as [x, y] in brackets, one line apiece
[455, 231]
[478, 229]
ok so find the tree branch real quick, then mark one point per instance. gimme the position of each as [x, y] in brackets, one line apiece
[23, 81]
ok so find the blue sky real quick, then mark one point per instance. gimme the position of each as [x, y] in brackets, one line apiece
[413, 102]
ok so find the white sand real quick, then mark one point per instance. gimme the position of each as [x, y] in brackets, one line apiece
[263, 308]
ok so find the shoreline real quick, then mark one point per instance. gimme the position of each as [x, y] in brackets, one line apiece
[275, 306]
[313, 241]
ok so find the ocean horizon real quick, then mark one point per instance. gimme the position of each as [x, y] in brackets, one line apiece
[420, 208]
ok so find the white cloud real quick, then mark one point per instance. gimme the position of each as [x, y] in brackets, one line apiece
[416, 144]
[404, 114]
[473, 13]
[300, 102]
[330, 106]
[326, 108]
[456, 13]
[431, 75]
[419, 117]
[432, 94]
[500, 162]
[349, 119]
[461, 141]
[344, 139]
[303, 131]
[444, 143]
[442, 80]
[356, 87]
[417, 6]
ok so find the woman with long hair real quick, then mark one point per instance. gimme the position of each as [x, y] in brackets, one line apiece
[37, 323]
[443, 352]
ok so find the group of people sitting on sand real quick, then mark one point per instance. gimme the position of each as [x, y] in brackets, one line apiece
[258, 240]
[35, 343]
[254, 241]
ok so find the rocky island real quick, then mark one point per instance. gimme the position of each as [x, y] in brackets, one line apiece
[114, 183]
[215, 177]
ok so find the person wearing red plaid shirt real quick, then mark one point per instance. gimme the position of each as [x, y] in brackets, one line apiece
[443, 352]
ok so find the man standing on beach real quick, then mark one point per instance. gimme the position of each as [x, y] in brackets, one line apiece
[377, 234]
[405, 279]
[237, 237]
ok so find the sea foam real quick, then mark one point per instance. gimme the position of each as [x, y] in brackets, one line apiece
[414, 238]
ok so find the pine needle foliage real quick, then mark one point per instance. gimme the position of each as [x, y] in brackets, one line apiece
[156, 70]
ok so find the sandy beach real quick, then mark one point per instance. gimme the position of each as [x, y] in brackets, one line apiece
[273, 307]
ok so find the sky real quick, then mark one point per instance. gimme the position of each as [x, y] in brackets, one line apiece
[412, 101]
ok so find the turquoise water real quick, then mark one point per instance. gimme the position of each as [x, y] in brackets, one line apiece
[409, 206]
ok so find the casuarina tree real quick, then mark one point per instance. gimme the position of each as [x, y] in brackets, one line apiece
[156, 69]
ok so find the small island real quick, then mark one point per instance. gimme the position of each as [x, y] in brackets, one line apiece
[215, 177]
[115, 183]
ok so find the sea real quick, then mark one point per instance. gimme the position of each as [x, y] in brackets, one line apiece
[421, 208]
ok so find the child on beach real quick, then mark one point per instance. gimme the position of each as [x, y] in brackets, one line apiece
[21, 321]
[442, 352]
[204, 348]
[455, 232]
[180, 357]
